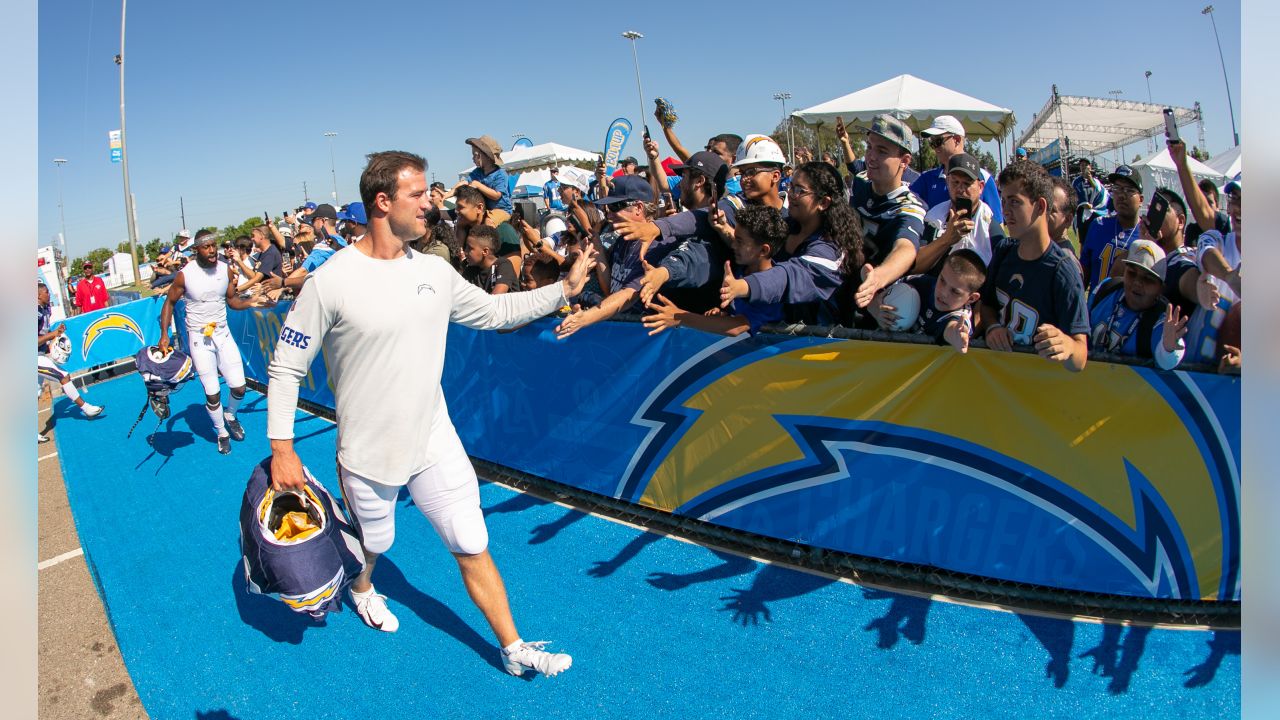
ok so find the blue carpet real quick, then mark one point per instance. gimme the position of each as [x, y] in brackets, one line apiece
[657, 627]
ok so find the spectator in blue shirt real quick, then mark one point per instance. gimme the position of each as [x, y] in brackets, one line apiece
[488, 177]
[551, 191]
[1131, 317]
[1106, 238]
[946, 137]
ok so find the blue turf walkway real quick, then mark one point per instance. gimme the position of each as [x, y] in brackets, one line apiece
[658, 628]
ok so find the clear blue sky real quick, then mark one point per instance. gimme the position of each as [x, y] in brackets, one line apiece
[227, 102]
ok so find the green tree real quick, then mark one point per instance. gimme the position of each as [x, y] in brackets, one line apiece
[231, 232]
[97, 256]
[819, 139]
[1198, 153]
[152, 248]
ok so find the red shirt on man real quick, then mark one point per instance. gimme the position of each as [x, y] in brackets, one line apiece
[91, 293]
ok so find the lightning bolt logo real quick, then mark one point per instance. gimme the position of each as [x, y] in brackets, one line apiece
[1129, 457]
[109, 321]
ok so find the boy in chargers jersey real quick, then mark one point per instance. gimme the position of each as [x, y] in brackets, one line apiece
[946, 301]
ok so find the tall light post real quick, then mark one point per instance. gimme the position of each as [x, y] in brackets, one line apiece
[1151, 141]
[632, 35]
[331, 136]
[124, 157]
[791, 140]
[1235, 136]
[58, 163]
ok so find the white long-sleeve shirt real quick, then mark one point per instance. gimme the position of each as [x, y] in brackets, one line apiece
[382, 325]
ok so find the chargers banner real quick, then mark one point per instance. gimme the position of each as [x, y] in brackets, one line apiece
[256, 332]
[1119, 479]
[615, 139]
[113, 333]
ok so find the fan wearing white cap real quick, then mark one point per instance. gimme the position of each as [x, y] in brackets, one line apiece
[946, 136]
[1131, 317]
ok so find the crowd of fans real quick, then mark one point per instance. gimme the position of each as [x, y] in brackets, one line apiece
[732, 238]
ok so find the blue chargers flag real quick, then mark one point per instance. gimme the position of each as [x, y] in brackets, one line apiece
[113, 333]
[614, 141]
[297, 544]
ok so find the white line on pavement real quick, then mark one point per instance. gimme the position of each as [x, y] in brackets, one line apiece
[64, 556]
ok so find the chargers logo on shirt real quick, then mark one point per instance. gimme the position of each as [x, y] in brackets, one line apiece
[109, 321]
[754, 433]
[294, 338]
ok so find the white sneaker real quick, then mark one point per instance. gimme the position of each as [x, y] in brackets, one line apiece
[42, 438]
[372, 609]
[91, 410]
[530, 655]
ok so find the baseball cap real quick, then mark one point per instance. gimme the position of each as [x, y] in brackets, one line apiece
[965, 163]
[164, 249]
[488, 146]
[87, 263]
[1147, 255]
[310, 206]
[703, 160]
[324, 210]
[942, 125]
[758, 149]
[354, 213]
[628, 188]
[1234, 186]
[1124, 172]
[1173, 198]
[1022, 152]
[184, 233]
[892, 129]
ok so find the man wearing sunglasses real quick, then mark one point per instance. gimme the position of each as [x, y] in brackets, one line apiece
[631, 201]
[946, 137]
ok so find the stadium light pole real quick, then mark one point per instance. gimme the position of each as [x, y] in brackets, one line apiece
[331, 136]
[1235, 136]
[632, 35]
[791, 140]
[129, 217]
[58, 163]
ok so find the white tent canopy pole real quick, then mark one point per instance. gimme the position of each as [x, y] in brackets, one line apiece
[916, 102]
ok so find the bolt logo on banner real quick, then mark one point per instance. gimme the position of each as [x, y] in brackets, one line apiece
[109, 321]
[614, 140]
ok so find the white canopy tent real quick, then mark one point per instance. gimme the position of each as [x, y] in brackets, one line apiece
[532, 181]
[1158, 171]
[1092, 126]
[1227, 163]
[540, 157]
[916, 102]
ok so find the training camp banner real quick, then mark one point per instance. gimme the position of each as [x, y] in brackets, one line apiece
[1119, 479]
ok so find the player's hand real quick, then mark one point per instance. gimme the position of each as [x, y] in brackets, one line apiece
[286, 469]
[163, 345]
[869, 287]
[653, 280]
[1051, 343]
[643, 230]
[1175, 326]
[732, 288]
[577, 277]
[665, 315]
[999, 338]
[60, 331]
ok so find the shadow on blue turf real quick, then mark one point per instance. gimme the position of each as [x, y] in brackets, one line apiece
[1057, 636]
[266, 614]
[1118, 659]
[391, 582]
[215, 715]
[905, 618]
[1222, 644]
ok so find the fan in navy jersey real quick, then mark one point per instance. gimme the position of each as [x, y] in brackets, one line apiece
[946, 300]
[892, 218]
[1108, 236]
[1033, 294]
[1130, 317]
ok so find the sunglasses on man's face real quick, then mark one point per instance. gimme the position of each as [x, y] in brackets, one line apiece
[937, 142]
[617, 207]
